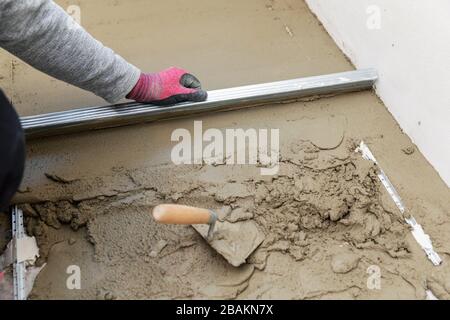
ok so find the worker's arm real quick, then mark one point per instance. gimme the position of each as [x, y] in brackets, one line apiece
[42, 34]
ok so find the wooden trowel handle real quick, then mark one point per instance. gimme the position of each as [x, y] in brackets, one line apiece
[180, 214]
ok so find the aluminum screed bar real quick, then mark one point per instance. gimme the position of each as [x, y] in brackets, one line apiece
[91, 118]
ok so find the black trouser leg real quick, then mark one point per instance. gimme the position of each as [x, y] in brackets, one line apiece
[12, 152]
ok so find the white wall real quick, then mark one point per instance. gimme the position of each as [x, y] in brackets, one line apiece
[408, 41]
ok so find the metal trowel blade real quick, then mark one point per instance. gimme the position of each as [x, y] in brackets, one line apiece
[234, 241]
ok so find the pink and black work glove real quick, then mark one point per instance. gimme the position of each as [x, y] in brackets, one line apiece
[169, 86]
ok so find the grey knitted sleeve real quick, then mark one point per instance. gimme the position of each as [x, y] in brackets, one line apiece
[42, 34]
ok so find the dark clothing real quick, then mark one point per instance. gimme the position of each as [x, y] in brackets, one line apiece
[12, 152]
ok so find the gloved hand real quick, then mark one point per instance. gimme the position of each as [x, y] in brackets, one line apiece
[169, 86]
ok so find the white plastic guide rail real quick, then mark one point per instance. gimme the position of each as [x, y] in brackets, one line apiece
[417, 231]
[19, 270]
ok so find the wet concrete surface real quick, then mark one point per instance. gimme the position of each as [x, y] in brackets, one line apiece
[225, 44]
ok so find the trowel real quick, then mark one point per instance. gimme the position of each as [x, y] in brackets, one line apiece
[234, 241]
